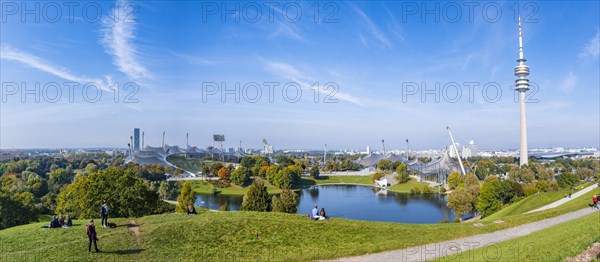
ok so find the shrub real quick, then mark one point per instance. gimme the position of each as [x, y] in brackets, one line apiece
[286, 202]
[415, 191]
[542, 186]
[553, 185]
[256, 198]
[566, 180]
[426, 190]
[530, 190]
[377, 176]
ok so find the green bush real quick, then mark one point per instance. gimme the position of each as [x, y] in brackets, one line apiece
[566, 180]
[415, 191]
[256, 198]
[426, 190]
[377, 176]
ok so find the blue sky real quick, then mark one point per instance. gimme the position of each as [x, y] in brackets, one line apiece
[370, 53]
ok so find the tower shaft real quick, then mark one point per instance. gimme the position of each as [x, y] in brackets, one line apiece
[523, 156]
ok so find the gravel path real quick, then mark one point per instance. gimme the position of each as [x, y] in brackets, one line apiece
[565, 200]
[437, 250]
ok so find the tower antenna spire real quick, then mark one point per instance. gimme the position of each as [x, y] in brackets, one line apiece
[522, 86]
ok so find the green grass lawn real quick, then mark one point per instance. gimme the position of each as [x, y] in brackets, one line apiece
[193, 165]
[204, 187]
[406, 187]
[553, 244]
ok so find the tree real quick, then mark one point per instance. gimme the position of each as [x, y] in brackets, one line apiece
[402, 174]
[127, 194]
[584, 173]
[384, 164]
[256, 198]
[163, 190]
[455, 180]
[566, 180]
[489, 197]
[240, 176]
[58, 178]
[314, 171]
[224, 174]
[459, 201]
[286, 202]
[91, 168]
[186, 197]
[13, 212]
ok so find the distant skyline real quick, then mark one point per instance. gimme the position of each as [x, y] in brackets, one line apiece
[373, 54]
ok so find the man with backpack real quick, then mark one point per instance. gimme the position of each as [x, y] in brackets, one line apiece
[104, 214]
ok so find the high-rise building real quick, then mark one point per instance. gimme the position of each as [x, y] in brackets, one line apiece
[521, 86]
[368, 150]
[136, 139]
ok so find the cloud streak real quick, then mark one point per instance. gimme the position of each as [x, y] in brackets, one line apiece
[592, 48]
[15, 55]
[118, 37]
[373, 29]
[289, 72]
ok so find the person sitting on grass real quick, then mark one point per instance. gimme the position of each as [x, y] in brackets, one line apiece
[315, 213]
[69, 221]
[191, 210]
[54, 223]
[322, 215]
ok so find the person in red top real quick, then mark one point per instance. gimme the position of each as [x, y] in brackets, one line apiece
[90, 230]
[595, 199]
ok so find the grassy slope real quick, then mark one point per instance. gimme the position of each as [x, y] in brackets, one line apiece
[218, 236]
[553, 244]
[188, 164]
[532, 202]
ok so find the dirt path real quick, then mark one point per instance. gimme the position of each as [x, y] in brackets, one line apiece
[133, 227]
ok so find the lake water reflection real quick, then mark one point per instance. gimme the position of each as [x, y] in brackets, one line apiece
[357, 202]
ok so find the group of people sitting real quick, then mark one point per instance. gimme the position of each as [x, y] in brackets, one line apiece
[318, 215]
[61, 221]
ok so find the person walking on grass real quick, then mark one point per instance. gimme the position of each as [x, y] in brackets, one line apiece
[90, 230]
[104, 214]
[595, 200]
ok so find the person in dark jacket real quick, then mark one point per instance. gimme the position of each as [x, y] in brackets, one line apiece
[104, 214]
[54, 222]
[90, 230]
[191, 210]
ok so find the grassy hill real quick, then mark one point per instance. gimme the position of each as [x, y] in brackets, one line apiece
[224, 236]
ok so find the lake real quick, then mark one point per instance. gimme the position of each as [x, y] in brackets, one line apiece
[356, 202]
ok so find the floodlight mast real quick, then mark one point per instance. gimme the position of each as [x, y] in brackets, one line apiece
[462, 168]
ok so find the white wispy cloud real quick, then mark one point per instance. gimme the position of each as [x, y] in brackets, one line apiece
[289, 72]
[569, 83]
[118, 35]
[591, 48]
[373, 29]
[11, 54]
